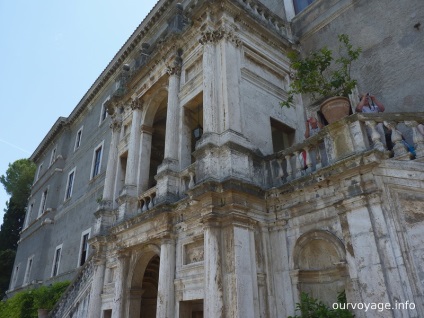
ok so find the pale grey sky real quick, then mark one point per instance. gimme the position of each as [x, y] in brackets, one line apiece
[51, 52]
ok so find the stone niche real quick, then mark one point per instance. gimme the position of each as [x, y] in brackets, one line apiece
[320, 265]
[193, 252]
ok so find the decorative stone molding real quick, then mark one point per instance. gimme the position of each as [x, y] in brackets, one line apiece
[137, 103]
[175, 67]
[214, 36]
[193, 252]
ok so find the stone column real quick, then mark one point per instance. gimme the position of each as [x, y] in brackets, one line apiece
[144, 158]
[108, 190]
[134, 144]
[229, 66]
[119, 300]
[95, 305]
[246, 286]
[173, 112]
[165, 301]
[213, 302]
[210, 109]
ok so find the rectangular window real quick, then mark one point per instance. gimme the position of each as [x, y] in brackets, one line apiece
[300, 5]
[97, 160]
[43, 202]
[39, 171]
[53, 157]
[84, 247]
[56, 260]
[28, 271]
[15, 277]
[70, 184]
[103, 114]
[28, 214]
[78, 139]
[282, 135]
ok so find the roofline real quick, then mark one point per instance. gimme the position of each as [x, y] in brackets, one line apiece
[111, 68]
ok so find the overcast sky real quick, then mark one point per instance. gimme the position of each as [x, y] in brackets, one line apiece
[51, 52]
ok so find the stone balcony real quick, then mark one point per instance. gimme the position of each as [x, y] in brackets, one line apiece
[335, 145]
[353, 135]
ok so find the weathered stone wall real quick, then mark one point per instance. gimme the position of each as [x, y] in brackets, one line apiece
[390, 34]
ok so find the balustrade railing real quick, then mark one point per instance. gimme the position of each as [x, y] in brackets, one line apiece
[147, 200]
[399, 135]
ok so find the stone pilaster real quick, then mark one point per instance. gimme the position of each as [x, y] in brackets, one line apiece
[95, 306]
[108, 189]
[144, 158]
[166, 300]
[133, 145]
[210, 109]
[173, 113]
[229, 69]
[213, 302]
[119, 300]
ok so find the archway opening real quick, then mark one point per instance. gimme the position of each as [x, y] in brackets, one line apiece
[150, 289]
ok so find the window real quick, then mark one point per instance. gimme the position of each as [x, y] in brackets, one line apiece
[15, 277]
[28, 214]
[103, 114]
[70, 184]
[78, 139]
[97, 160]
[53, 157]
[299, 5]
[39, 171]
[43, 202]
[28, 270]
[56, 260]
[282, 135]
[84, 247]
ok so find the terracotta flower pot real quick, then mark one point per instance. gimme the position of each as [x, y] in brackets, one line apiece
[335, 108]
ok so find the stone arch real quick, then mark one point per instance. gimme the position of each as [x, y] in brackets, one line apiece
[319, 264]
[143, 273]
[152, 104]
[154, 118]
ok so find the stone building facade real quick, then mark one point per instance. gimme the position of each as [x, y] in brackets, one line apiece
[175, 189]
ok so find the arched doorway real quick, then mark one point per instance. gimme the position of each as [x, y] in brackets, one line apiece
[150, 289]
[143, 290]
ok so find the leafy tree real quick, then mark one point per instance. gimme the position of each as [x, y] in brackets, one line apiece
[18, 180]
[7, 258]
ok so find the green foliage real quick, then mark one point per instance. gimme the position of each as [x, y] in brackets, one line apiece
[17, 182]
[6, 265]
[47, 296]
[13, 221]
[25, 304]
[320, 74]
[18, 179]
[312, 308]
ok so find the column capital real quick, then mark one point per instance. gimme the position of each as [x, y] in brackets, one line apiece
[175, 67]
[137, 103]
[116, 122]
[223, 32]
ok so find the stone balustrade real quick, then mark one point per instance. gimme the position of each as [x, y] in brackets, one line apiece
[262, 13]
[352, 135]
[147, 200]
[187, 179]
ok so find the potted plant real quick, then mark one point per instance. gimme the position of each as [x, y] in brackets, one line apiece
[323, 76]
